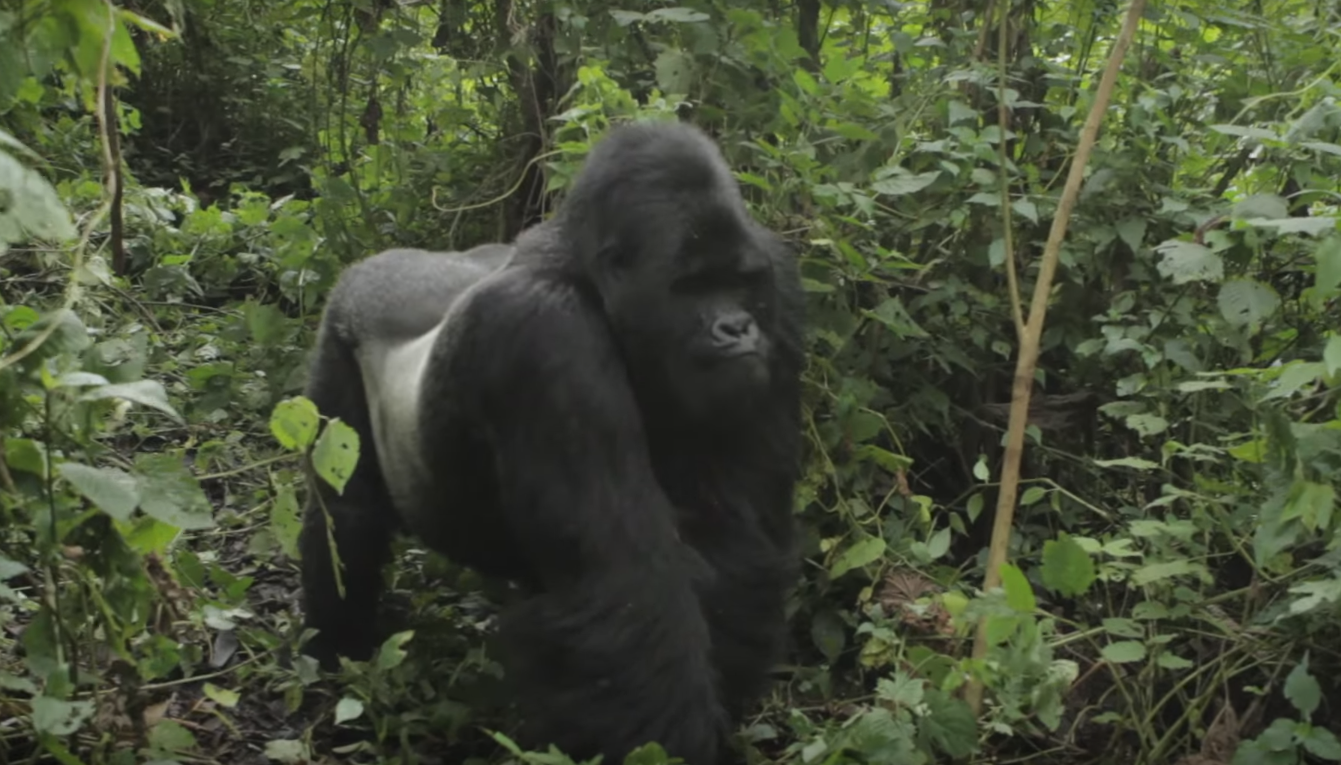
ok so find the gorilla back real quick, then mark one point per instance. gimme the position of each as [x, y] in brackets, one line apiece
[606, 412]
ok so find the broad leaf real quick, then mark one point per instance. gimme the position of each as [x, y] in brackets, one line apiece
[1184, 262]
[112, 489]
[1245, 302]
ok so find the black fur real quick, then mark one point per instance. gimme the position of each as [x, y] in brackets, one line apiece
[592, 426]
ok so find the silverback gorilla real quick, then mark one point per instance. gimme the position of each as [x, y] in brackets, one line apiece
[605, 412]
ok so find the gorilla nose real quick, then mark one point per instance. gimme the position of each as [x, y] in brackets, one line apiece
[736, 333]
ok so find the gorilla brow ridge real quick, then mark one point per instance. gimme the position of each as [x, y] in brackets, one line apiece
[667, 172]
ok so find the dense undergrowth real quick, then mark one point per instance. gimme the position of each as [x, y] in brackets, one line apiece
[1174, 585]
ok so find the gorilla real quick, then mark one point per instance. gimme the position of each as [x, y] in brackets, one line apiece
[605, 413]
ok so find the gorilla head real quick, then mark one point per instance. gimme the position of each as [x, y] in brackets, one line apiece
[687, 278]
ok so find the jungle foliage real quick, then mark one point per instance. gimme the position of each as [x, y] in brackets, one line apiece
[181, 184]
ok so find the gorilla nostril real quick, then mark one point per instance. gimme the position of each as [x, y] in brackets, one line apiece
[730, 329]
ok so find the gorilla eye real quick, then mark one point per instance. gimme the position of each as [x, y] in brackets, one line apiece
[616, 257]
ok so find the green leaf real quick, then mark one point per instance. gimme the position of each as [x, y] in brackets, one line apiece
[1136, 463]
[1327, 148]
[860, 554]
[1313, 225]
[1032, 495]
[222, 696]
[1124, 651]
[1157, 572]
[1327, 275]
[1331, 355]
[10, 568]
[1253, 451]
[148, 393]
[13, 145]
[150, 535]
[903, 183]
[286, 750]
[1146, 424]
[975, 506]
[901, 690]
[650, 753]
[675, 71]
[171, 494]
[58, 717]
[1173, 661]
[1067, 569]
[678, 15]
[1123, 627]
[895, 317]
[949, 723]
[392, 652]
[32, 209]
[1295, 375]
[961, 112]
[27, 455]
[1311, 503]
[1322, 743]
[624, 18]
[1026, 209]
[295, 422]
[1019, 595]
[1261, 206]
[1312, 595]
[1185, 261]
[1132, 232]
[286, 520]
[112, 490]
[1246, 302]
[980, 469]
[1246, 131]
[347, 709]
[939, 543]
[1302, 689]
[805, 82]
[336, 454]
[1196, 386]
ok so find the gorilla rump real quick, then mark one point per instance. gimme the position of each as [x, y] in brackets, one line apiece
[605, 412]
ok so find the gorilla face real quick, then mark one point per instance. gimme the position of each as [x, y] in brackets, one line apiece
[688, 281]
[694, 312]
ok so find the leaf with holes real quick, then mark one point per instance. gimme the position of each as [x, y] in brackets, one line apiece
[675, 71]
[336, 454]
[294, 423]
[1246, 302]
[1183, 262]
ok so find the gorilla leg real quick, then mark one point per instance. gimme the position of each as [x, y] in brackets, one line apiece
[364, 520]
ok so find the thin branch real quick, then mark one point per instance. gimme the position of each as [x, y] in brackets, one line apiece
[1029, 343]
